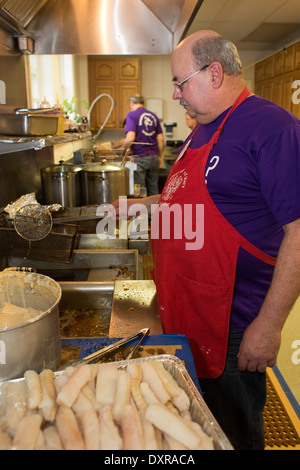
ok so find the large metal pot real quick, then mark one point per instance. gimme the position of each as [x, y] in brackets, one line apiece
[34, 344]
[104, 183]
[61, 184]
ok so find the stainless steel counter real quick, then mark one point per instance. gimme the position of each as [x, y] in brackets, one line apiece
[134, 307]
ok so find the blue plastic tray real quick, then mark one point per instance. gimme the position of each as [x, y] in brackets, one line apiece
[183, 351]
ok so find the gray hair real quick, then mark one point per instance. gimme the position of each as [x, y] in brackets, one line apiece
[218, 49]
[136, 99]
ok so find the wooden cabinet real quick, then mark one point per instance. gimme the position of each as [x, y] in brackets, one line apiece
[268, 91]
[297, 55]
[296, 93]
[287, 93]
[264, 69]
[277, 92]
[284, 60]
[269, 68]
[289, 59]
[260, 71]
[275, 75]
[118, 77]
[279, 63]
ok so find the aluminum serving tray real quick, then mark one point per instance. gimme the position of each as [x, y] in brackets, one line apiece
[198, 408]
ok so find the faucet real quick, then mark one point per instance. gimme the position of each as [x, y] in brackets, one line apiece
[107, 117]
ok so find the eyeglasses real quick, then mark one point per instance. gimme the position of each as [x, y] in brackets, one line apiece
[179, 85]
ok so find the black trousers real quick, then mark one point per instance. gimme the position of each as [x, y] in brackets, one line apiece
[237, 399]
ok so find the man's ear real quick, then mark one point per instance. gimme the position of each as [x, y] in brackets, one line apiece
[217, 75]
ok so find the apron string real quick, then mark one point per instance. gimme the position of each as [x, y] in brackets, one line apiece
[245, 93]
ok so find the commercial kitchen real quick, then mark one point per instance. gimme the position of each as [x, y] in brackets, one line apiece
[67, 70]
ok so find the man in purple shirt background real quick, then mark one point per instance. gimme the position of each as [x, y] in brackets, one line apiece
[143, 126]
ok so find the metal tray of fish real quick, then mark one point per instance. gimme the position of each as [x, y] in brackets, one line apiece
[198, 408]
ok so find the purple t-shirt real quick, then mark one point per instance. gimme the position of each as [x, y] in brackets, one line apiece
[146, 126]
[253, 176]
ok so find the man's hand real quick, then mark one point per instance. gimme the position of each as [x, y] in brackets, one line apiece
[120, 207]
[261, 341]
[259, 347]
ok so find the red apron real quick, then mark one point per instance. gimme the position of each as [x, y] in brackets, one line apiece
[195, 283]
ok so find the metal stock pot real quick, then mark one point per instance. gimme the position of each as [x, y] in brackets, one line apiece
[34, 344]
[104, 183]
[61, 184]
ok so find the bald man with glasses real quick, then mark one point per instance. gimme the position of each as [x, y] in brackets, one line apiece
[230, 295]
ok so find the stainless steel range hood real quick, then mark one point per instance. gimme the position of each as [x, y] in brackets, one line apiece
[20, 12]
[101, 26]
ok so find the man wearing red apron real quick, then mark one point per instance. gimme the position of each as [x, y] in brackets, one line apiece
[202, 281]
[196, 284]
[225, 234]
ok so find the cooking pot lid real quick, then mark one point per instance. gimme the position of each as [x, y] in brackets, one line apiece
[104, 166]
[62, 167]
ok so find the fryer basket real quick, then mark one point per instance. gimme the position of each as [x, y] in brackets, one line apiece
[57, 246]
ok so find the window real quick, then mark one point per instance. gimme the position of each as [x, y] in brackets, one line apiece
[52, 79]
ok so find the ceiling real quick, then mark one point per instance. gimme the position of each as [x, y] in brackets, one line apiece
[97, 26]
[106, 27]
[251, 24]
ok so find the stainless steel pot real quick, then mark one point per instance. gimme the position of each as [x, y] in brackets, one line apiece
[61, 184]
[104, 183]
[34, 344]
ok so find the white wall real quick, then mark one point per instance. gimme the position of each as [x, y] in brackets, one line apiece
[157, 83]
[81, 83]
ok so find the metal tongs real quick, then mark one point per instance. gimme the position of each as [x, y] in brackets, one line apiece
[108, 349]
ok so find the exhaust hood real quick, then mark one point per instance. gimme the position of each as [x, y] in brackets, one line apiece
[20, 12]
[100, 26]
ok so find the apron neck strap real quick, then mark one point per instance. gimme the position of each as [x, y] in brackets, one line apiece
[245, 93]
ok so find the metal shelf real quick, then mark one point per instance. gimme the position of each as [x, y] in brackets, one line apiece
[12, 144]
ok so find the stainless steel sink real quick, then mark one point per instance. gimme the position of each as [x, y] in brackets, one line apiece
[85, 309]
[113, 309]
